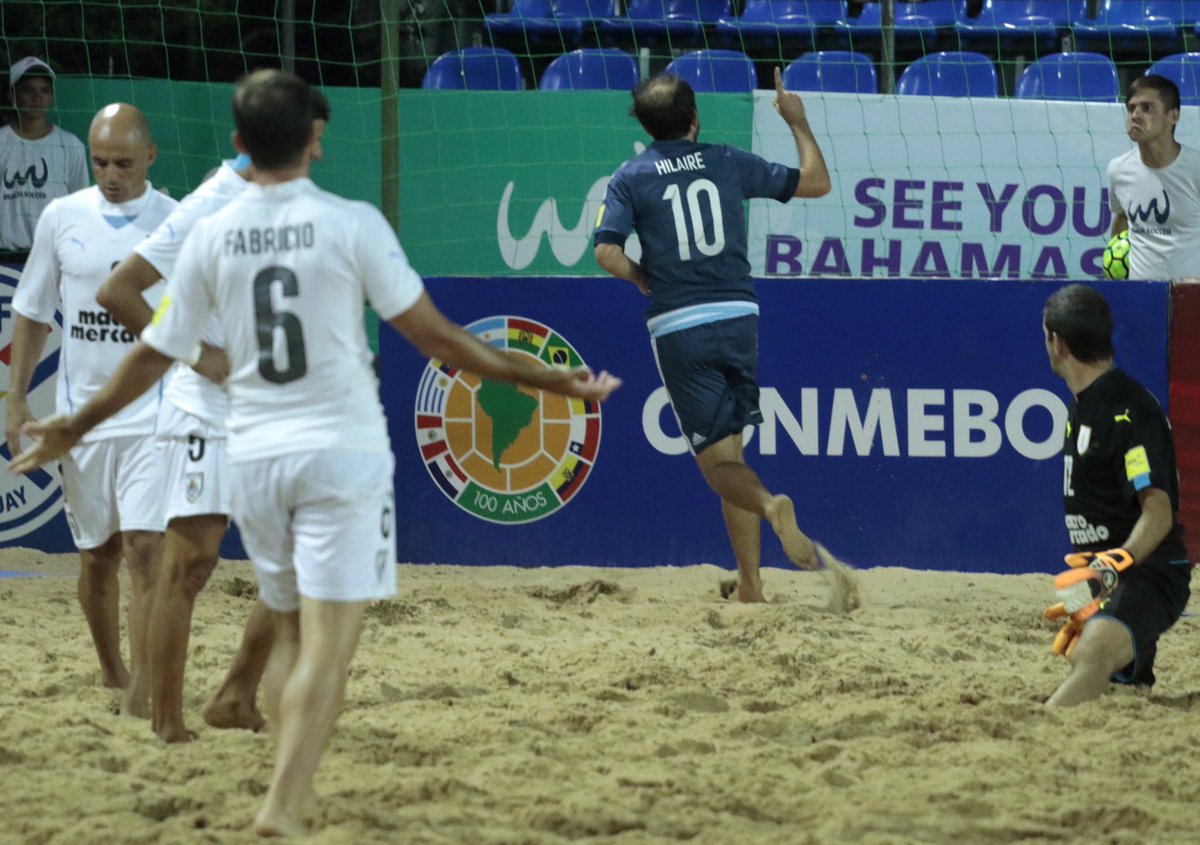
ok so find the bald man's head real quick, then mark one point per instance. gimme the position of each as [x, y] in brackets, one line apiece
[122, 150]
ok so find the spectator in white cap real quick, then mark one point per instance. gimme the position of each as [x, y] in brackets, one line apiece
[39, 161]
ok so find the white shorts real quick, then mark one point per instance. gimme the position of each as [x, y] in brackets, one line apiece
[318, 524]
[112, 485]
[198, 479]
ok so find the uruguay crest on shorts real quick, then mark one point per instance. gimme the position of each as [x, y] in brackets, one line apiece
[193, 485]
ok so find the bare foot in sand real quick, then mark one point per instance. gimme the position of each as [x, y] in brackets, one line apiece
[781, 514]
[135, 702]
[174, 734]
[275, 824]
[233, 713]
[732, 588]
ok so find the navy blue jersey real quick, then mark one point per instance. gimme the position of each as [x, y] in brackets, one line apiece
[686, 201]
[1118, 442]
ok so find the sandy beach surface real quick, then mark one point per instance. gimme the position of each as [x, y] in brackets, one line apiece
[500, 705]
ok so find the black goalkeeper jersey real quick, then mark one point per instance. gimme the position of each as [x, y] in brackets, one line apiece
[1118, 442]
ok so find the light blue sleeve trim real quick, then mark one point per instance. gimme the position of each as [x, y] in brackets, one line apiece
[1142, 481]
[241, 164]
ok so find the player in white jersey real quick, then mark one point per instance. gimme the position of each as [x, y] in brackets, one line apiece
[39, 162]
[192, 432]
[112, 482]
[1154, 189]
[191, 435]
[287, 268]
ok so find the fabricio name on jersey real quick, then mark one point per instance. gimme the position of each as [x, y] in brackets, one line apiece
[276, 239]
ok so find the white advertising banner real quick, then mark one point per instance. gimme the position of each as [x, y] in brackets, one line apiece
[944, 188]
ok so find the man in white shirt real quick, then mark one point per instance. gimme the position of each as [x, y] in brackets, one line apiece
[112, 482]
[39, 162]
[193, 437]
[1154, 189]
[288, 268]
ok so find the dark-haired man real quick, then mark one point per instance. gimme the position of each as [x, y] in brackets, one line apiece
[1120, 494]
[287, 269]
[39, 162]
[686, 201]
[1154, 189]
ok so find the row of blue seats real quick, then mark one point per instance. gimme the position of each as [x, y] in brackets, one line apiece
[1155, 23]
[1058, 76]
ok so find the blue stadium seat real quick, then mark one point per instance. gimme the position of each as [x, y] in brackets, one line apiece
[590, 69]
[1007, 21]
[950, 74]
[1132, 26]
[832, 70]
[1184, 70]
[1070, 76]
[917, 24]
[783, 20]
[529, 22]
[726, 71]
[670, 20]
[476, 69]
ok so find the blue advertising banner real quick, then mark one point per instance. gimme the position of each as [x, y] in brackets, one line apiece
[914, 422]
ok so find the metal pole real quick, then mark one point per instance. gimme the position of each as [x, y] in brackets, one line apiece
[887, 12]
[287, 37]
[389, 111]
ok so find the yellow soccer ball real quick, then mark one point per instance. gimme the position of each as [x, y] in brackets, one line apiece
[1116, 257]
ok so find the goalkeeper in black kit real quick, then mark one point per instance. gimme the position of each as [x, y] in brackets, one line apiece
[1129, 573]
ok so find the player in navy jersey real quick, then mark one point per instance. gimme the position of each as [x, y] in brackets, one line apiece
[1120, 495]
[686, 201]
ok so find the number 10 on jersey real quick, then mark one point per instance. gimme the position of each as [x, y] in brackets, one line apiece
[708, 189]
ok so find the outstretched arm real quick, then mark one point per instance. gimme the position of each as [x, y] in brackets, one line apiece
[426, 328]
[54, 437]
[814, 175]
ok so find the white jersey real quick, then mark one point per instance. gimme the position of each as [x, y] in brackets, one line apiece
[1163, 207]
[78, 241]
[34, 174]
[288, 269]
[186, 389]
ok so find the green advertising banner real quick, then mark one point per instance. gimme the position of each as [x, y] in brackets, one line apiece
[492, 183]
[510, 183]
[193, 123]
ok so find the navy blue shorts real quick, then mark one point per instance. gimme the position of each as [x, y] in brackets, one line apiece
[1148, 600]
[710, 372]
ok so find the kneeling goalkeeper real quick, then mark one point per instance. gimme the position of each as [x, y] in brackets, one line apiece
[1129, 574]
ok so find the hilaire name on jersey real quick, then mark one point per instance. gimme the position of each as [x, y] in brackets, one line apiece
[691, 161]
[274, 239]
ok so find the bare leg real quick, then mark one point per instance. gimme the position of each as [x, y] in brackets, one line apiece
[309, 705]
[190, 550]
[100, 597]
[726, 471]
[233, 704]
[1104, 648]
[143, 553]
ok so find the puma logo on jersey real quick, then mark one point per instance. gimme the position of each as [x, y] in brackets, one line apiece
[1123, 417]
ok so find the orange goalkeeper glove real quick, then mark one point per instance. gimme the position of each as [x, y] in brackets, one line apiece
[1068, 634]
[1082, 590]
[1090, 580]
